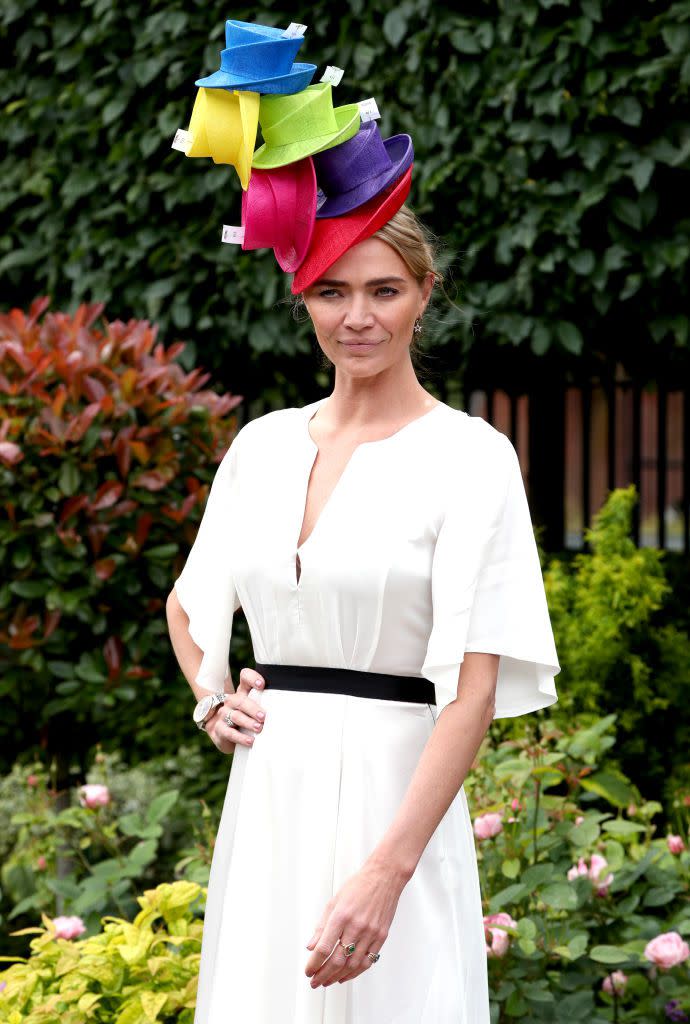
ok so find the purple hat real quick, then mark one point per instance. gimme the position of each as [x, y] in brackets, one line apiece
[352, 173]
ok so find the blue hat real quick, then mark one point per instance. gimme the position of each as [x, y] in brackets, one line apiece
[259, 58]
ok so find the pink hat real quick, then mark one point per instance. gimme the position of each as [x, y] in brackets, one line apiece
[333, 236]
[279, 211]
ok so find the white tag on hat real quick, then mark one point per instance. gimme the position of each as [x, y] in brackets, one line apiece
[293, 30]
[232, 234]
[332, 75]
[183, 140]
[368, 111]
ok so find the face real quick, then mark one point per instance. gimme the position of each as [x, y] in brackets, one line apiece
[364, 307]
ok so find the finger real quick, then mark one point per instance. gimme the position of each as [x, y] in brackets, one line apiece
[241, 719]
[337, 963]
[225, 737]
[323, 948]
[249, 680]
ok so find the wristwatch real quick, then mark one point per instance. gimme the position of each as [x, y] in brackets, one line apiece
[206, 706]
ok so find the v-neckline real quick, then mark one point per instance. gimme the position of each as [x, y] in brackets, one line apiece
[310, 411]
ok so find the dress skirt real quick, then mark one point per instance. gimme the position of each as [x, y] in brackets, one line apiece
[304, 808]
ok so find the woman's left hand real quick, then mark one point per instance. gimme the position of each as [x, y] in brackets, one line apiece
[361, 911]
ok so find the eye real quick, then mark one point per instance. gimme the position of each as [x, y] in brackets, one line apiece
[387, 288]
[327, 292]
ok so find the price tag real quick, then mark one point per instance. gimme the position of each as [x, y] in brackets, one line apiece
[183, 140]
[332, 75]
[293, 30]
[368, 111]
[232, 234]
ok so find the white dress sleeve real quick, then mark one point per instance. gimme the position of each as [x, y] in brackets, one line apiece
[205, 587]
[488, 594]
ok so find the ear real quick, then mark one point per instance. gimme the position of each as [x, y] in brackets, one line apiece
[426, 287]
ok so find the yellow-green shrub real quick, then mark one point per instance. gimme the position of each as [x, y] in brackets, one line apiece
[138, 972]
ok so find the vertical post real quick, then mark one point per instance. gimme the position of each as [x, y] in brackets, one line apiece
[586, 392]
[546, 458]
[637, 455]
[661, 462]
[686, 471]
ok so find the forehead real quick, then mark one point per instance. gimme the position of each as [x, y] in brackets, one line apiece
[372, 258]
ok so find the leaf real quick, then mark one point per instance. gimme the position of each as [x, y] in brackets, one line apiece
[569, 336]
[641, 173]
[621, 827]
[559, 895]
[161, 806]
[464, 41]
[612, 785]
[610, 955]
[395, 26]
[628, 110]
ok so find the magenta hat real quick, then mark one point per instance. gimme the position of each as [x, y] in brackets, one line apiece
[279, 211]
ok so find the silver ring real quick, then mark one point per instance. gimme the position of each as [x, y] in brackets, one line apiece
[228, 721]
[374, 957]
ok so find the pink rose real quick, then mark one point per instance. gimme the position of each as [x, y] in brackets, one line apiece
[10, 452]
[515, 805]
[32, 780]
[667, 950]
[497, 938]
[578, 869]
[68, 927]
[675, 843]
[615, 982]
[579, 819]
[41, 864]
[94, 795]
[599, 864]
[488, 825]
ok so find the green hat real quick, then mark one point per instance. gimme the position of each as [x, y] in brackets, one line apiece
[301, 124]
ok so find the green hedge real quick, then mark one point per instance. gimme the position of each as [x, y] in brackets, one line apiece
[551, 141]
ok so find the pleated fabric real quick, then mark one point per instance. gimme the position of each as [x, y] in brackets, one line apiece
[304, 808]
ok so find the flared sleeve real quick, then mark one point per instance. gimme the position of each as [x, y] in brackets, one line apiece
[488, 591]
[205, 588]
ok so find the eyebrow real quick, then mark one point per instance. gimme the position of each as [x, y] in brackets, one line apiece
[374, 281]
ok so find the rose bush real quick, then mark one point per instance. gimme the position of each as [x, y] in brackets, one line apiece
[586, 906]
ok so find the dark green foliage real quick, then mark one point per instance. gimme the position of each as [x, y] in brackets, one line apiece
[552, 140]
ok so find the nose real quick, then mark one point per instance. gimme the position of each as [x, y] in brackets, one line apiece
[358, 315]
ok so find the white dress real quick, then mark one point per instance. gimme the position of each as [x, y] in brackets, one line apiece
[424, 550]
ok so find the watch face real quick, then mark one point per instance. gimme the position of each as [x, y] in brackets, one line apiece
[203, 708]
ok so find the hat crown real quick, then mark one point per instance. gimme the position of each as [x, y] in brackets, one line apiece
[303, 115]
[255, 52]
[362, 157]
[262, 209]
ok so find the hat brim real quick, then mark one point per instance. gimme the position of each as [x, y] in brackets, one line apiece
[291, 253]
[283, 85]
[347, 119]
[333, 236]
[401, 153]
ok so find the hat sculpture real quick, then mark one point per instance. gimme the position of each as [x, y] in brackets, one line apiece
[323, 178]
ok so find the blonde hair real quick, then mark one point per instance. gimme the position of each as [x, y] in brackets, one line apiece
[413, 242]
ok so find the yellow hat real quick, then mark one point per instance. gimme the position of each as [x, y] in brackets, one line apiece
[223, 126]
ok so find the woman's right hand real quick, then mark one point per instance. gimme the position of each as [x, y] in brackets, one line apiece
[246, 713]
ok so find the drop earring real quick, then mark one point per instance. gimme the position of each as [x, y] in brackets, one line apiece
[417, 326]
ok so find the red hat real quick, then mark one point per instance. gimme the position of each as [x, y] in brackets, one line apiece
[279, 210]
[333, 236]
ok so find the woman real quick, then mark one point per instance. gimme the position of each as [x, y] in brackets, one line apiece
[379, 543]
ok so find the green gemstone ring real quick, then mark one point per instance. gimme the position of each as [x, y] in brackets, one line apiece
[349, 950]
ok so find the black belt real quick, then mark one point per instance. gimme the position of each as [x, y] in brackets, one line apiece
[353, 682]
